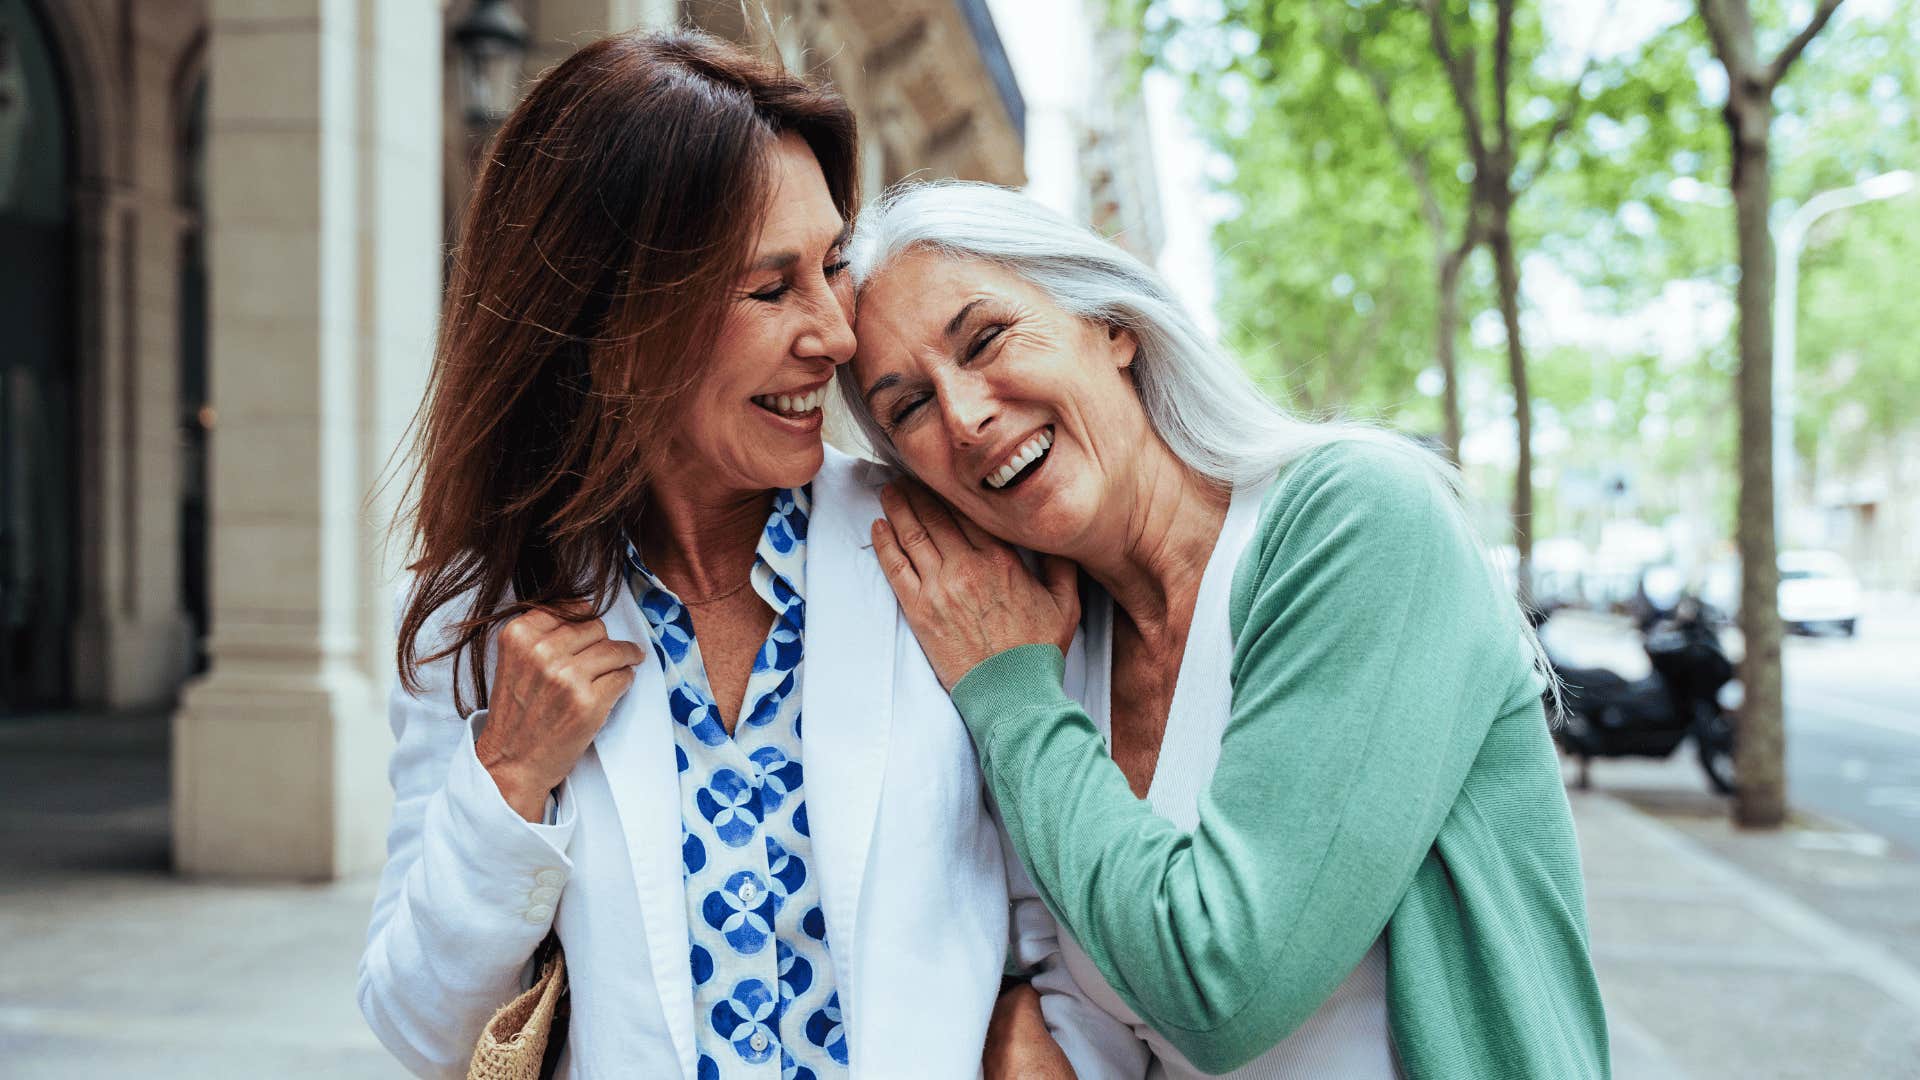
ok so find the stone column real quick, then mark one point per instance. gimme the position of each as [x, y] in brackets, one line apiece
[324, 256]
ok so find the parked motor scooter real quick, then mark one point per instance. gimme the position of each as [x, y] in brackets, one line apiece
[1656, 596]
[1605, 715]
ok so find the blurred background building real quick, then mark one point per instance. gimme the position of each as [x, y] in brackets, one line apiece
[223, 226]
[1088, 152]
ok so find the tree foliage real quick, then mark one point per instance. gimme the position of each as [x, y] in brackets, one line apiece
[1326, 263]
[1851, 111]
[1327, 282]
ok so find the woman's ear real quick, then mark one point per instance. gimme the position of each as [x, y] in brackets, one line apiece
[1125, 345]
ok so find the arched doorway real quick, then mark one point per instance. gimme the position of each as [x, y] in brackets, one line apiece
[37, 368]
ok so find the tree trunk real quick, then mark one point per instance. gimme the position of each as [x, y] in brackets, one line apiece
[1446, 333]
[1507, 273]
[1760, 755]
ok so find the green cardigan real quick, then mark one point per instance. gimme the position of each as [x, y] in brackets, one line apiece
[1386, 766]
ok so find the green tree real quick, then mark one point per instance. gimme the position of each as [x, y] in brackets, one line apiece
[1329, 306]
[1760, 757]
[1854, 112]
[1394, 121]
[1323, 286]
[1508, 155]
[1648, 209]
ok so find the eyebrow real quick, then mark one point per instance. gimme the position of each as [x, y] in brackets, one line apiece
[882, 383]
[959, 317]
[782, 260]
[953, 327]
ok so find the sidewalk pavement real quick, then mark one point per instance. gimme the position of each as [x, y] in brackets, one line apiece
[112, 967]
[1720, 954]
[1710, 971]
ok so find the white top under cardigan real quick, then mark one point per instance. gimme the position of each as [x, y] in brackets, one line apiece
[1347, 1037]
[910, 868]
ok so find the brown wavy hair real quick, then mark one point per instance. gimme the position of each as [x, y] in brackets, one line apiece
[615, 210]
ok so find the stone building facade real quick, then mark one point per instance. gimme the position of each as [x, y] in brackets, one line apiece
[222, 230]
[1089, 146]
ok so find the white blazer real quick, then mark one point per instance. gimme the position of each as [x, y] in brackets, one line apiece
[911, 874]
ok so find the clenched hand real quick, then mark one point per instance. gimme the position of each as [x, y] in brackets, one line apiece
[554, 685]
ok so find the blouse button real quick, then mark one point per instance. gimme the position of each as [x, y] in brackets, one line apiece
[758, 1041]
[748, 890]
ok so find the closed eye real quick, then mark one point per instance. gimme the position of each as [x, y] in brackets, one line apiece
[985, 339]
[905, 408]
[772, 294]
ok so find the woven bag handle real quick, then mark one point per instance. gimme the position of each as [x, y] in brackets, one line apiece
[514, 1043]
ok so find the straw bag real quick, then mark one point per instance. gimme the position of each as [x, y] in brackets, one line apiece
[522, 1040]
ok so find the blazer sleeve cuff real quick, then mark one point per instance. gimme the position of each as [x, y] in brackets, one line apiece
[485, 808]
[505, 864]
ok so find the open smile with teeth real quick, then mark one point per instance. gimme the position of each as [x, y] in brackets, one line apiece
[791, 406]
[1022, 462]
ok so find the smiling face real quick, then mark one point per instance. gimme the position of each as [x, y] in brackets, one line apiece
[1017, 413]
[753, 422]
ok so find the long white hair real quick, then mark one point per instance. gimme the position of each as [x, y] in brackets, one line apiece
[1211, 414]
[1198, 399]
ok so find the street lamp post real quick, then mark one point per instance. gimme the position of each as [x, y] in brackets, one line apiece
[1788, 240]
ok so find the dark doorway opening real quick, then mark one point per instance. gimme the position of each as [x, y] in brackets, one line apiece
[196, 410]
[38, 429]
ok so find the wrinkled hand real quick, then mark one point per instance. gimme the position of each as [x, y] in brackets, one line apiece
[965, 592]
[1019, 1046]
[554, 685]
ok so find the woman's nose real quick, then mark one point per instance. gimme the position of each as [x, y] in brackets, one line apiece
[831, 333]
[968, 408]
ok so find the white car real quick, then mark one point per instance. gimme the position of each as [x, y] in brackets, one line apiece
[1817, 592]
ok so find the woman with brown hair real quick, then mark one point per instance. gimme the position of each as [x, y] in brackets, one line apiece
[635, 568]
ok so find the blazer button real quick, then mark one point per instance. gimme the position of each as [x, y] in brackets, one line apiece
[539, 913]
[551, 877]
[545, 894]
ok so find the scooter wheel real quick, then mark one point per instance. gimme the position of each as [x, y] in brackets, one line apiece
[1713, 738]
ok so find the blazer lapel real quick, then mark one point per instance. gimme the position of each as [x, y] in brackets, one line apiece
[846, 697]
[637, 752]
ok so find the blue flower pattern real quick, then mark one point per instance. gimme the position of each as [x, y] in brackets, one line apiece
[758, 956]
[826, 1031]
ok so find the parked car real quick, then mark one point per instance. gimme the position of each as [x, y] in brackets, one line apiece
[1818, 592]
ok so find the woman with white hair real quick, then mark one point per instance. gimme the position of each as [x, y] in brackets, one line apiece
[1290, 792]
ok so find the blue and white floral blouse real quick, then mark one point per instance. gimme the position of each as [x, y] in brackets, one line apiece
[763, 989]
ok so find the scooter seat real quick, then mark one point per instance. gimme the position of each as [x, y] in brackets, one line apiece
[1611, 701]
[1582, 687]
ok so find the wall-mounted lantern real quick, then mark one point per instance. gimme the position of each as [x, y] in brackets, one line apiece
[493, 43]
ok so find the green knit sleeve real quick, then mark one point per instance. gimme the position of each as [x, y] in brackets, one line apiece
[1373, 650]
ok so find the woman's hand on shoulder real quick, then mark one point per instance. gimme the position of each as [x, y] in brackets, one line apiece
[1019, 1047]
[554, 686]
[965, 592]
